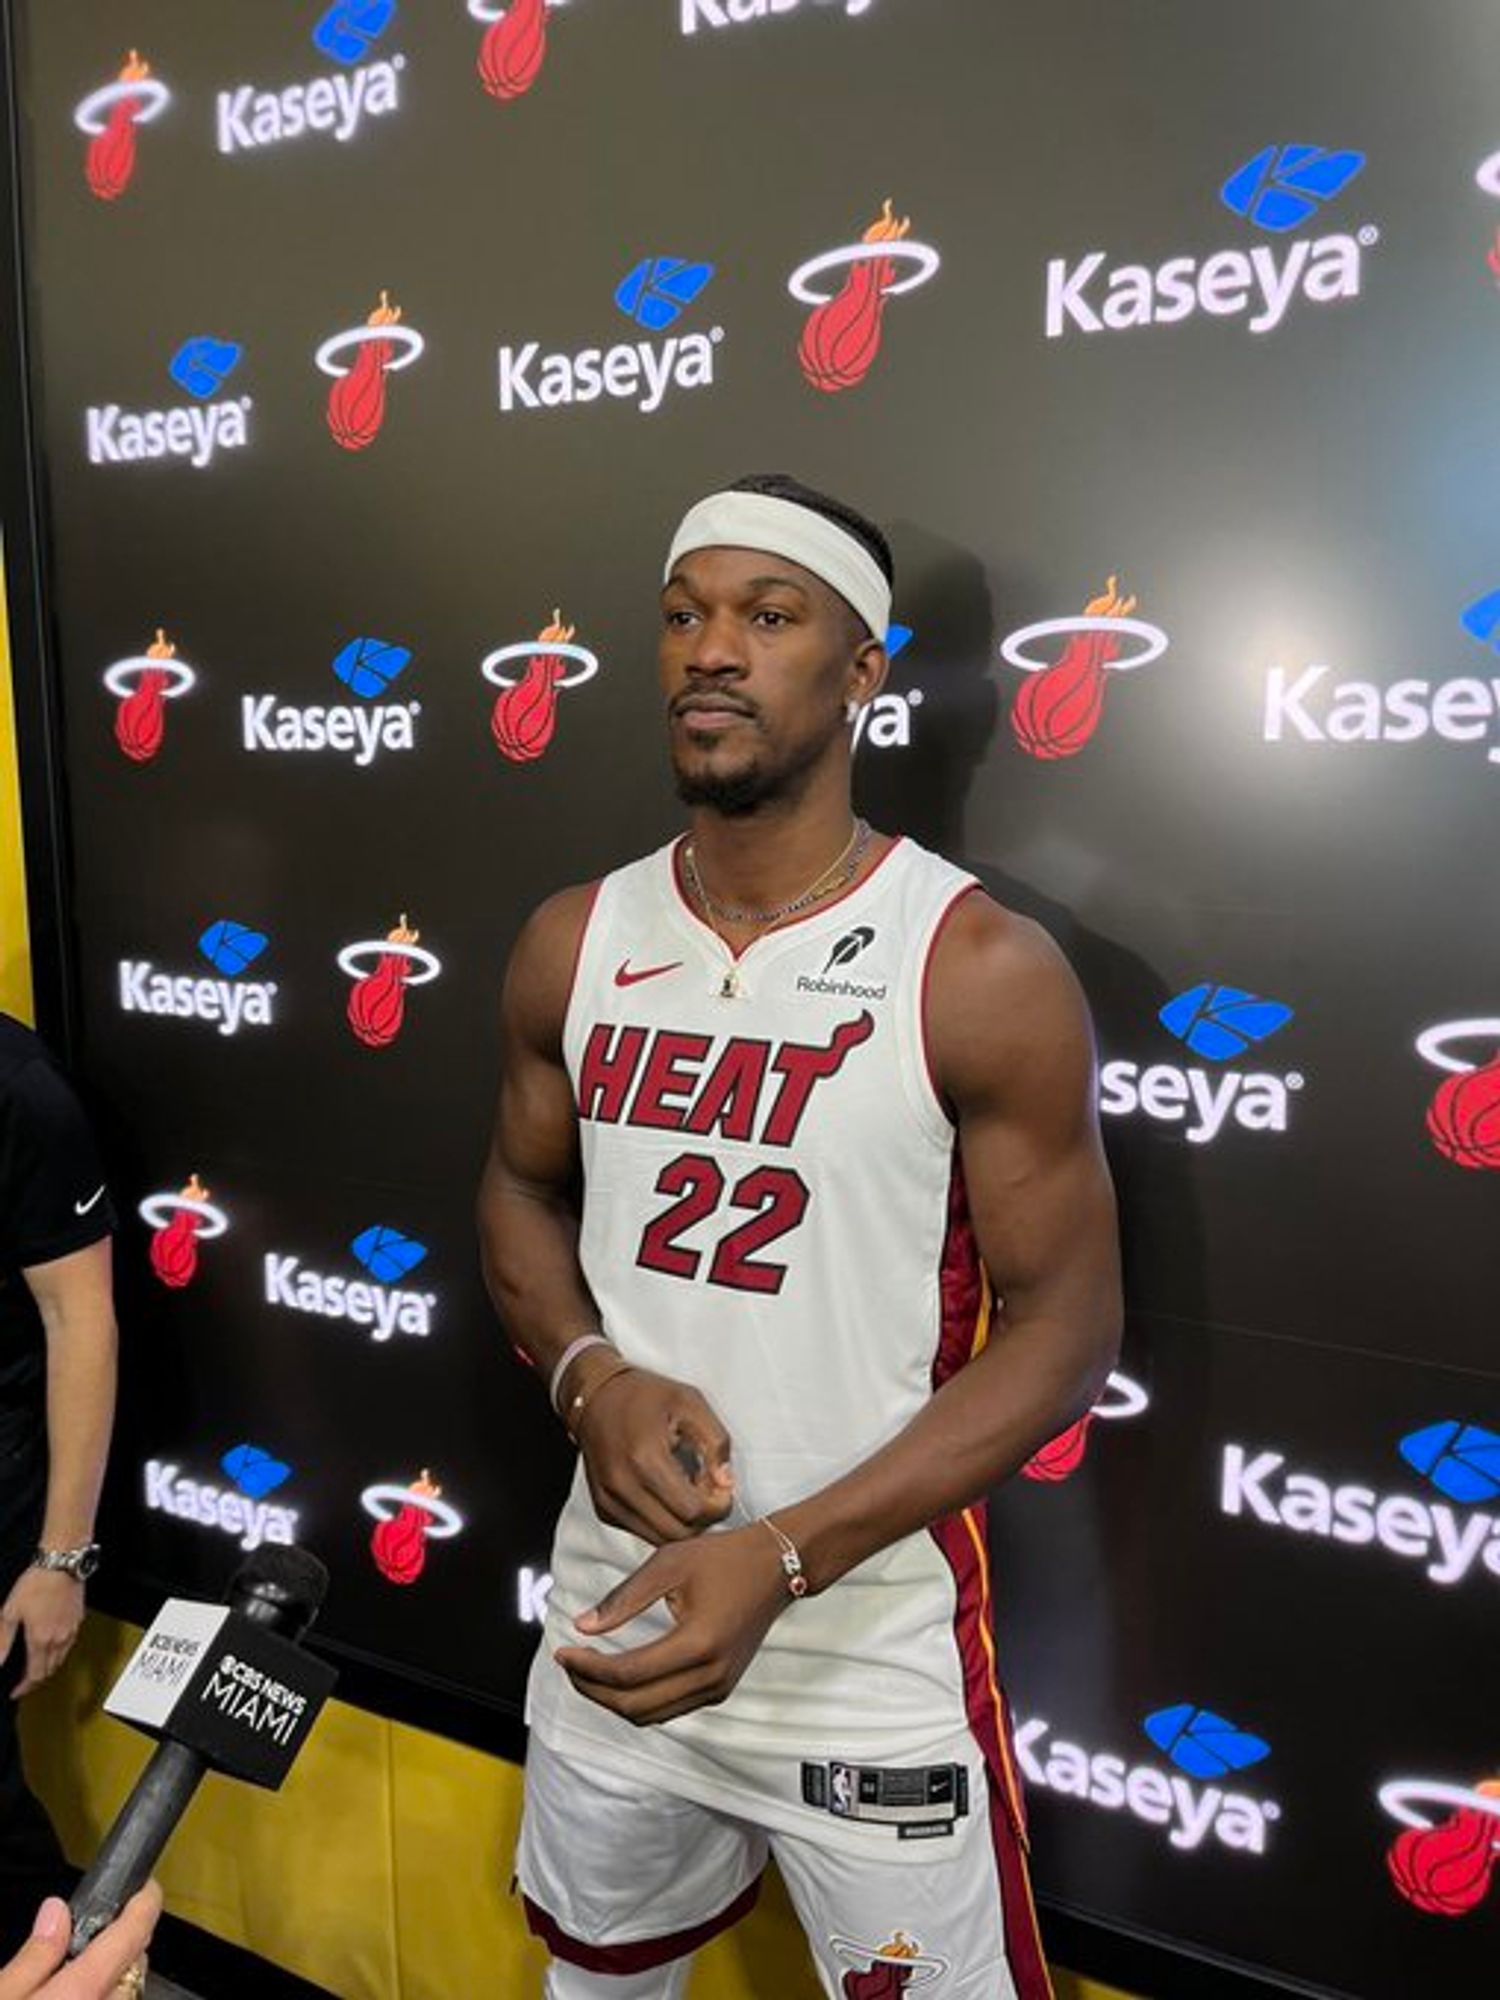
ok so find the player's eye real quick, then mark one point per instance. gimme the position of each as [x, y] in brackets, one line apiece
[678, 618]
[768, 615]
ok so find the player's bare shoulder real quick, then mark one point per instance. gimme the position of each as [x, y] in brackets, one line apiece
[540, 971]
[1001, 999]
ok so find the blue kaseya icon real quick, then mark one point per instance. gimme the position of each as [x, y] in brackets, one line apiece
[1218, 1022]
[254, 1470]
[350, 28]
[386, 1254]
[660, 289]
[1201, 1743]
[1481, 619]
[1285, 185]
[1461, 1460]
[368, 666]
[231, 948]
[203, 365]
[897, 639]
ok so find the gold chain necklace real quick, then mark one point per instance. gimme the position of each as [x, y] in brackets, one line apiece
[839, 871]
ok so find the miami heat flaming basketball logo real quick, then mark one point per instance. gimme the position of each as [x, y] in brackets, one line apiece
[377, 1003]
[1063, 1455]
[1443, 1864]
[181, 1221]
[880, 1972]
[110, 116]
[1463, 1119]
[143, 685]
[407, 1518]
[843, 333]
[514, 46]
[525, 711]
[381, 347]
[1057, 709]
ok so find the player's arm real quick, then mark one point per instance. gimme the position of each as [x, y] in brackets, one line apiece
[528, 1210]
[1012, 1053]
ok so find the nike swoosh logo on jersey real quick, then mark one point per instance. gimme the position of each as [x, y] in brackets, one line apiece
[625, 977]
[83, 1207]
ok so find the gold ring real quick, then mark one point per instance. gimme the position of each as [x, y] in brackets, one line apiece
[132, 1981]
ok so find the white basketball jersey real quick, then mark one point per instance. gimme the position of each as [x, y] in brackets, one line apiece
[773, 1213]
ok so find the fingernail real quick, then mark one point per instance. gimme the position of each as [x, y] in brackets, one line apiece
[51, 1920]
[586, 1620]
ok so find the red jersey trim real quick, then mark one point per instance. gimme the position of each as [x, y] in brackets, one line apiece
[643, 1954]
[583, 932]
[791, 923]
[938, 928]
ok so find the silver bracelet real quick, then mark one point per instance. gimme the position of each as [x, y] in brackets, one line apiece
[569, 1355]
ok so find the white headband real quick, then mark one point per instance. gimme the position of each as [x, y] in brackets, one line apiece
[783, 528]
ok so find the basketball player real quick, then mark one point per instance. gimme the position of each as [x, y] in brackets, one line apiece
[796, 1200]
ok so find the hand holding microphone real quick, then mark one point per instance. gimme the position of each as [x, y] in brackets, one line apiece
[112, 1968]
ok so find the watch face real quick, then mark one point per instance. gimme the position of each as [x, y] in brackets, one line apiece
[86, 1563]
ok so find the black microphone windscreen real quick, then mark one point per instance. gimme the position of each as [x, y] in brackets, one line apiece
[280, 1587]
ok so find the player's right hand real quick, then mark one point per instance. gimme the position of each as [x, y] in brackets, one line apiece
[656, 1456]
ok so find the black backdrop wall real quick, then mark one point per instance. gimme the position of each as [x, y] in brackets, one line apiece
[1178, 396]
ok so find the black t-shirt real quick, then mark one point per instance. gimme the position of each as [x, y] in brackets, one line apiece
[53, 1200]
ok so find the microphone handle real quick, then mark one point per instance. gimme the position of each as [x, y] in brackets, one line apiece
[141, 1829]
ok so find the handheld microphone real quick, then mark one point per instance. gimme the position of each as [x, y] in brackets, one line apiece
[225, 1687]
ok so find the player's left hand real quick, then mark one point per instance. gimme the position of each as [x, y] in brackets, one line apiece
[724, 1592]
[46, 1606]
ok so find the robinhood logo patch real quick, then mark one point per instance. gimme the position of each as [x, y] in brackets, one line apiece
[1277, 191]
[196, 431]
[654, 295]
[359, 730]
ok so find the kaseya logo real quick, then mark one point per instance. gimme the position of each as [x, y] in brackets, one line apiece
[109, 118]
[886, 722]
[377, 1001]
[407, 1518]
[244, 1513]
[179, 1223]
[1310, 706]
[228, 1003]
[335, 104]
[379, 348]
[1202, 1745]
[360, 730]
[142, 686]
[1277, 191]
[696, 14]
[1058, 706]
[1443, 1859]
[195, 431]
[1217, 1023]
[654, 294]
[384, 1305]
[1463, 1119]
[1460, 1460]
[530, 674]
[843, 332]
[1061, 1456]
[514, 45]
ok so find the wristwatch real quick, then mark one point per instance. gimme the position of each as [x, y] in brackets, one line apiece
[77, 1563]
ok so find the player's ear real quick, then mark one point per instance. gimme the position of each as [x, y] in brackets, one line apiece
[867, 672]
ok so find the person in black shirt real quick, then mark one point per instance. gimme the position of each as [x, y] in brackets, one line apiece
[57, 1391]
